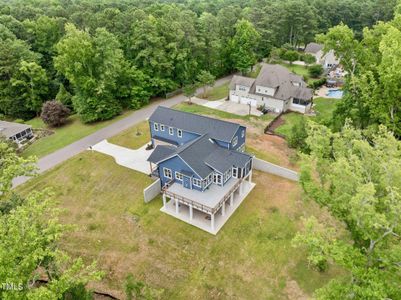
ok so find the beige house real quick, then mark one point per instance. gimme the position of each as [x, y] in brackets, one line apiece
[16, 132]
[275, 88]
[327, 60]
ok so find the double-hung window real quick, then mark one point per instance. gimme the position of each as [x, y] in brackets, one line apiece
[243, 133]
[179, 132]
[217, 178]
[156, 126]
[178, 175]
[235, 172]
[171, 131]
[161, 127]
[167, 173]
[197, 182]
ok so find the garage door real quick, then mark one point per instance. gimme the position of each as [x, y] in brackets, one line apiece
[245, 100]
[234, 98]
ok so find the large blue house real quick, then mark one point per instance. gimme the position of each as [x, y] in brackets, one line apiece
[200, 160]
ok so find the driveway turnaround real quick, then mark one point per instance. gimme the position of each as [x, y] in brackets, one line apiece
[228, 106]
[59, 156]
[133, 159]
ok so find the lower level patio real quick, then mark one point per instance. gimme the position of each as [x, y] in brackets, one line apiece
[208, 220]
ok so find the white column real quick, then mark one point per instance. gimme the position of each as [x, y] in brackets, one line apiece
[240, 188]
[177, 208]
[191, 214]
[250, 176]
[212, 221]
[232, 199]
[223, 209]
[164, 200]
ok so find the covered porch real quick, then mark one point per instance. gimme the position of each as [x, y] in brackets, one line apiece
[208, 210]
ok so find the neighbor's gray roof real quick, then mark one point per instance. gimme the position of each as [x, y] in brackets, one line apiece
[217, 129]
[280, 78]
[202, 155]
[9, 129]
[241, 80]
[313, 48]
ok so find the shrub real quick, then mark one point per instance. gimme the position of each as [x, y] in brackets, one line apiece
[315, 71]
[291, 56]
[308, 59]
[298, 135]
[317, 83]
[54, 113]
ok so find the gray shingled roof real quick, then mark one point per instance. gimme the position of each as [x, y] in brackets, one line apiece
[313, 48]
[9, 129]
[161, 152]
[202, 155]
[241, 80]
[280, 78]
[217, 129]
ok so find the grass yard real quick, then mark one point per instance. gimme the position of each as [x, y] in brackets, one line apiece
[324, 108]
[250, 258]
[133, 137]
[297, 69]
[64, 135]
[215, 93]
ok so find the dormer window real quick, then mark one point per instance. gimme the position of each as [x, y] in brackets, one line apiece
[171, 131]
[156, 126]
[161, 127]
[179, 133]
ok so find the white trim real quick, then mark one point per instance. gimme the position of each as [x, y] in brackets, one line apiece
[171, 130]
[161, 127]
[179, 133]
[165, 170]
[243, 133]
[235, 141]
[194, 182]
[156, 126]
[218, 182]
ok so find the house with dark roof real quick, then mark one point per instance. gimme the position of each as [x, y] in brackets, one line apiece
[16, 132]
[201, 164]
[275, 88]
[327, 59]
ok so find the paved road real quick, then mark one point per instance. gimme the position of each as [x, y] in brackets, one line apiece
[53, 159]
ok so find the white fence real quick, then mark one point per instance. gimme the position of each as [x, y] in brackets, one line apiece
[267, 167]
[152, 191]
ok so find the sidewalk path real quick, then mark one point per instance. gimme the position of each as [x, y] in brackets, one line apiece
[61, 155]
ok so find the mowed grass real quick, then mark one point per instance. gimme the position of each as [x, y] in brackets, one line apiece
[250, 258]
[72, 131]
[324, 108]
[133, 137]
[215, 93]
[297, 69]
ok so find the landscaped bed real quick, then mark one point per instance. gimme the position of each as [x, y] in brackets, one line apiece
[250, 258]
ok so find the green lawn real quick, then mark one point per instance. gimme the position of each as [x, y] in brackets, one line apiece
[250, 258]
[64, 135]
[324, 108]
[297, 69]
[133, 137]
[215, 93]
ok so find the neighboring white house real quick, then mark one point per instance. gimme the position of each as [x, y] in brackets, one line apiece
[327, 60]
[275, 88]
[16, 132]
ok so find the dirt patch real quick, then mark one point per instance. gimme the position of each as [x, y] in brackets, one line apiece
[294, 292]
[276, 123]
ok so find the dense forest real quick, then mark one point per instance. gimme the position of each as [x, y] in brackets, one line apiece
[99, 57]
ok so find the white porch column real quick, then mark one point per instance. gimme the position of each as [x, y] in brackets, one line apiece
[240, 188]
[223, 209]
[232, 199]
[191, 213]
[212, 221]
[164, 200]
[177, 208]
[250, 176]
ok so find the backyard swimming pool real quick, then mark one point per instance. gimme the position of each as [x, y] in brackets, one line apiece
[338, 94]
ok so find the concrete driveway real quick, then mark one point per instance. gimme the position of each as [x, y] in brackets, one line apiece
[132, 159]
[228, 106]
